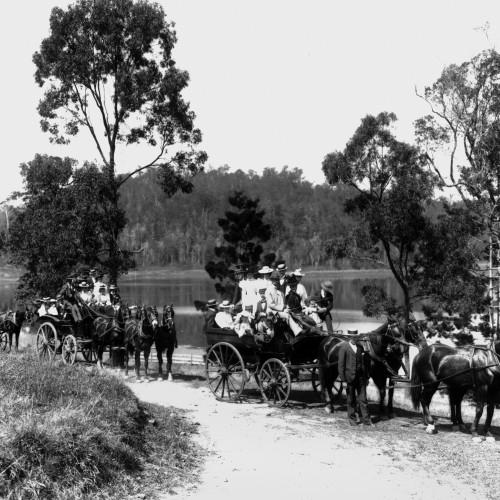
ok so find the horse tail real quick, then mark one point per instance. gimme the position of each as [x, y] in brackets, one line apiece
[415, 385]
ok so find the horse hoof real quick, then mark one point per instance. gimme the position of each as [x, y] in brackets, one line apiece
[384, 417]
[462, 427]
[490, 439]
[329, 409]
[455, 427]
[171, 379]
[392, 415]
[431, 429]
[476, 439]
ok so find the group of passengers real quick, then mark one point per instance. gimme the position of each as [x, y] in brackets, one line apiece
[88, 289]
[262, 297]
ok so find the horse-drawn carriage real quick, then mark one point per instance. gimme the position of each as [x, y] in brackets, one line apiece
[232, 360]
[63, 336]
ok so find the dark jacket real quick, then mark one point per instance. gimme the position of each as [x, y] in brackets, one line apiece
[353, 365]
[325, 302]
[293, 302]
[210, 319]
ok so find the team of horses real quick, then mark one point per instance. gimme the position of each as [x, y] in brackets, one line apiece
[460, 369]
[123, 330]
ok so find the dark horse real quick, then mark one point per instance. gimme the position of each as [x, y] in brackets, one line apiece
[140, 333]
[166, 340]
[11, 323]
[108, 331]
[386, 347]
[460, 369]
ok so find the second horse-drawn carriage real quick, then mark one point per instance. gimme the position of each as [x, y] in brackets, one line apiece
[277, 364]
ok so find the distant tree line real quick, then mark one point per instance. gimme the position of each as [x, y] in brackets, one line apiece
[183, 230]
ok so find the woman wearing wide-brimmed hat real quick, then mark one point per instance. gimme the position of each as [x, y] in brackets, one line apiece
[325, 303]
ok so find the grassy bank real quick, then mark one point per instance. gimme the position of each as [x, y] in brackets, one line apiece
[73, 432]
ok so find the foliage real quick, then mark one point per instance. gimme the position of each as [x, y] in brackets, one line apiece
[65, 221]
[376, 303]
[107, 67]
[71, 433]
[463, 129]
[244, 229]
[428, 252]
[183, 230]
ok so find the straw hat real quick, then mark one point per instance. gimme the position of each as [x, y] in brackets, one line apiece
[327, 285]
[298, 273]
[225, 304]
[265, 270]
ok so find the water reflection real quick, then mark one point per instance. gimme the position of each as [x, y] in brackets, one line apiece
[183, 291]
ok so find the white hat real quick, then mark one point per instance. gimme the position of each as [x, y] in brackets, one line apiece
[298, 272]
[225, 304]
[265, 270]
[281, 267]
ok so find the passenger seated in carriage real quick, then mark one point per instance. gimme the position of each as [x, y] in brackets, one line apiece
[52, 310]
[42, 310]
[276, 304]
[210, 313]
[102, 298]
[84, 294]
[114, 297]
[311, 312]
[223, 318]
[68, 297]
[242, 323]
[262, 324]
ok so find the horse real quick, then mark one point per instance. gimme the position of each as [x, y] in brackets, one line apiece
[108, 331]
[11, 323]
[166, 340]
[460, 369]
[140, 333]
[386, 347]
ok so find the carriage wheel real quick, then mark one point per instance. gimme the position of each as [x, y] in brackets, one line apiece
[69, 349]
[275, 382]
[88, 352]
[316, 384]
[225, 372]
[46, 341]
[4, 340]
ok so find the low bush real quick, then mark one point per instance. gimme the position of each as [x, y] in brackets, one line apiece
[74, 432]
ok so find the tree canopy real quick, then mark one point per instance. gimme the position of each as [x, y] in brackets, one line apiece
[107, 67]
[63, 223]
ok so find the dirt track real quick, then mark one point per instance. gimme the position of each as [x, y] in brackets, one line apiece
[257, 452]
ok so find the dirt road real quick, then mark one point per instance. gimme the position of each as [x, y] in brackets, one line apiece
[257, 452]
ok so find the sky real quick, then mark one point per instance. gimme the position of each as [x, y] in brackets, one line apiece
[273, 82]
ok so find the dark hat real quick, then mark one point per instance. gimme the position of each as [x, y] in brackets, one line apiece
[83, 284]
[281, 267]
[292, 280]
[212, 303]
[327, 285]
[92, 271]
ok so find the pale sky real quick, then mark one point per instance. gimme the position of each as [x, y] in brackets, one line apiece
[273, 82]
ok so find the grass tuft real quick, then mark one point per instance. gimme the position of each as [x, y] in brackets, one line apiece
[74, 432]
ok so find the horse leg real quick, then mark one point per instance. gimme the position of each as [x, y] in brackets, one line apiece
[379, 379]
[390, 399]
[160, 362]
[10, 341]
[147, 350]
[327, 376]
[425, 400]
[17, 333]
[480, 400]
[137, 356]
[126, 360]
[170, 353]
[490, 409]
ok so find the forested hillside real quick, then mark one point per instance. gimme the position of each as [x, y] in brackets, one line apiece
[183, 230]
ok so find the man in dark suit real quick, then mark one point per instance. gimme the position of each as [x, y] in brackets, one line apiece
[354, 372]
[211, 311]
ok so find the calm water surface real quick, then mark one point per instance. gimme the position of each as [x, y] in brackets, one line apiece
[183, 291]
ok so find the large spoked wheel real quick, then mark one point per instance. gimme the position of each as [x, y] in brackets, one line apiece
[337, 386]
[275, 382]
[69, 349]
[4, 340]
[88, 352]
[46, 341]
[225, 372]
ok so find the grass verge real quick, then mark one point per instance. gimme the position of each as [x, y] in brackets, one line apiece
[74, 432]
